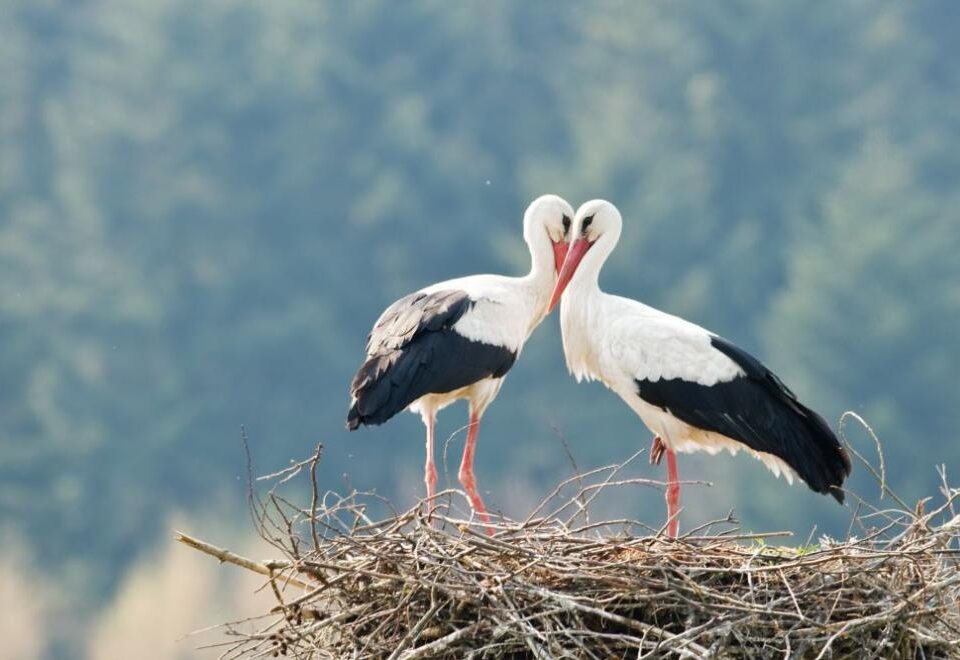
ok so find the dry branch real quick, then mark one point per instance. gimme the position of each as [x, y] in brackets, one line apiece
[228, 557]
[405, 587]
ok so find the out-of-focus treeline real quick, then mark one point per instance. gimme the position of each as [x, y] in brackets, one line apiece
[204, 206]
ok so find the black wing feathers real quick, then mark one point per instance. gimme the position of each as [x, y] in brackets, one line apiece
[411, 315]
[760, 411]
[413, 350]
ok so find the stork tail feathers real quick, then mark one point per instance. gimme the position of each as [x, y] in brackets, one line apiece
[828, 462]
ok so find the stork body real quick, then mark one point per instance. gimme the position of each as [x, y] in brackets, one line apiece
[457, 340]
[693, 389]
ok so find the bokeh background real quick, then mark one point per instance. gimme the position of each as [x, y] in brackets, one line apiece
[204, 207]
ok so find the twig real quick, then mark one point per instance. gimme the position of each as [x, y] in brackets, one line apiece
[227, 557]
[545, 587]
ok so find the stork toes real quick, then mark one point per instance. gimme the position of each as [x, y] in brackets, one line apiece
[657, 448]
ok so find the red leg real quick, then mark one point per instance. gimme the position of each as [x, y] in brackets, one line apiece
[430, 469]
[673, 495]
[466, 471]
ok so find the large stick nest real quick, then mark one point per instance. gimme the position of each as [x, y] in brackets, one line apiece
[557, 586]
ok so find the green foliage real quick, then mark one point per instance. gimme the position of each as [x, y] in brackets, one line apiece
[203, 207]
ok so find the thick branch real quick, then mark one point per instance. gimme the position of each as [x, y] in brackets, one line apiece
[227, 557]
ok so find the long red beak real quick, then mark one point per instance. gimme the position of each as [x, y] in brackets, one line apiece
[574, 255]
[559, 254]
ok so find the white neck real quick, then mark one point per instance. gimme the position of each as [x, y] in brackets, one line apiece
[586, 279]
[539, 282]
[542, 268]
[580, 321]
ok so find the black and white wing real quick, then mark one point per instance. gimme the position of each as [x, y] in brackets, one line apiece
[415, 349]
[712, 385]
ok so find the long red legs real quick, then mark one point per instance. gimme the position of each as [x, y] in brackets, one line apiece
[657, 452]
[466, 471]
[429, 468]
[673, 495]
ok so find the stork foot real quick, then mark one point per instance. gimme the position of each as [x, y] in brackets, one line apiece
[657, 449]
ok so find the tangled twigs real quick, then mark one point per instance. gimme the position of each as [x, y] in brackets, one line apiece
[402, 588]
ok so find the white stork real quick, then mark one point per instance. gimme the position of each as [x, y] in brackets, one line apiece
[457, 339]
[694, 390]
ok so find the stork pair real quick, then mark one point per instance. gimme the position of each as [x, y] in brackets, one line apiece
[694, 390]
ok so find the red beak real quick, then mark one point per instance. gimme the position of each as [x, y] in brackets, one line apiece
[574, 255]
[559, 254]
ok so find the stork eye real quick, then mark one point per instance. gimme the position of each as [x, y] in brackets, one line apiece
[586, 222]
[566, 223]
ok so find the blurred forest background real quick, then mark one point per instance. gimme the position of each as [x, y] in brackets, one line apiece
[204, 207]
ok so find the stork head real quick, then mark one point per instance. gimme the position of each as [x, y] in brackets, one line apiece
[552, 215]
[596, 222]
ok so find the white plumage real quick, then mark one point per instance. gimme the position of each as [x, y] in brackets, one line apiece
[505, 310]
[615, 338]
[457, 339]
[619, 341]
[694, 390]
